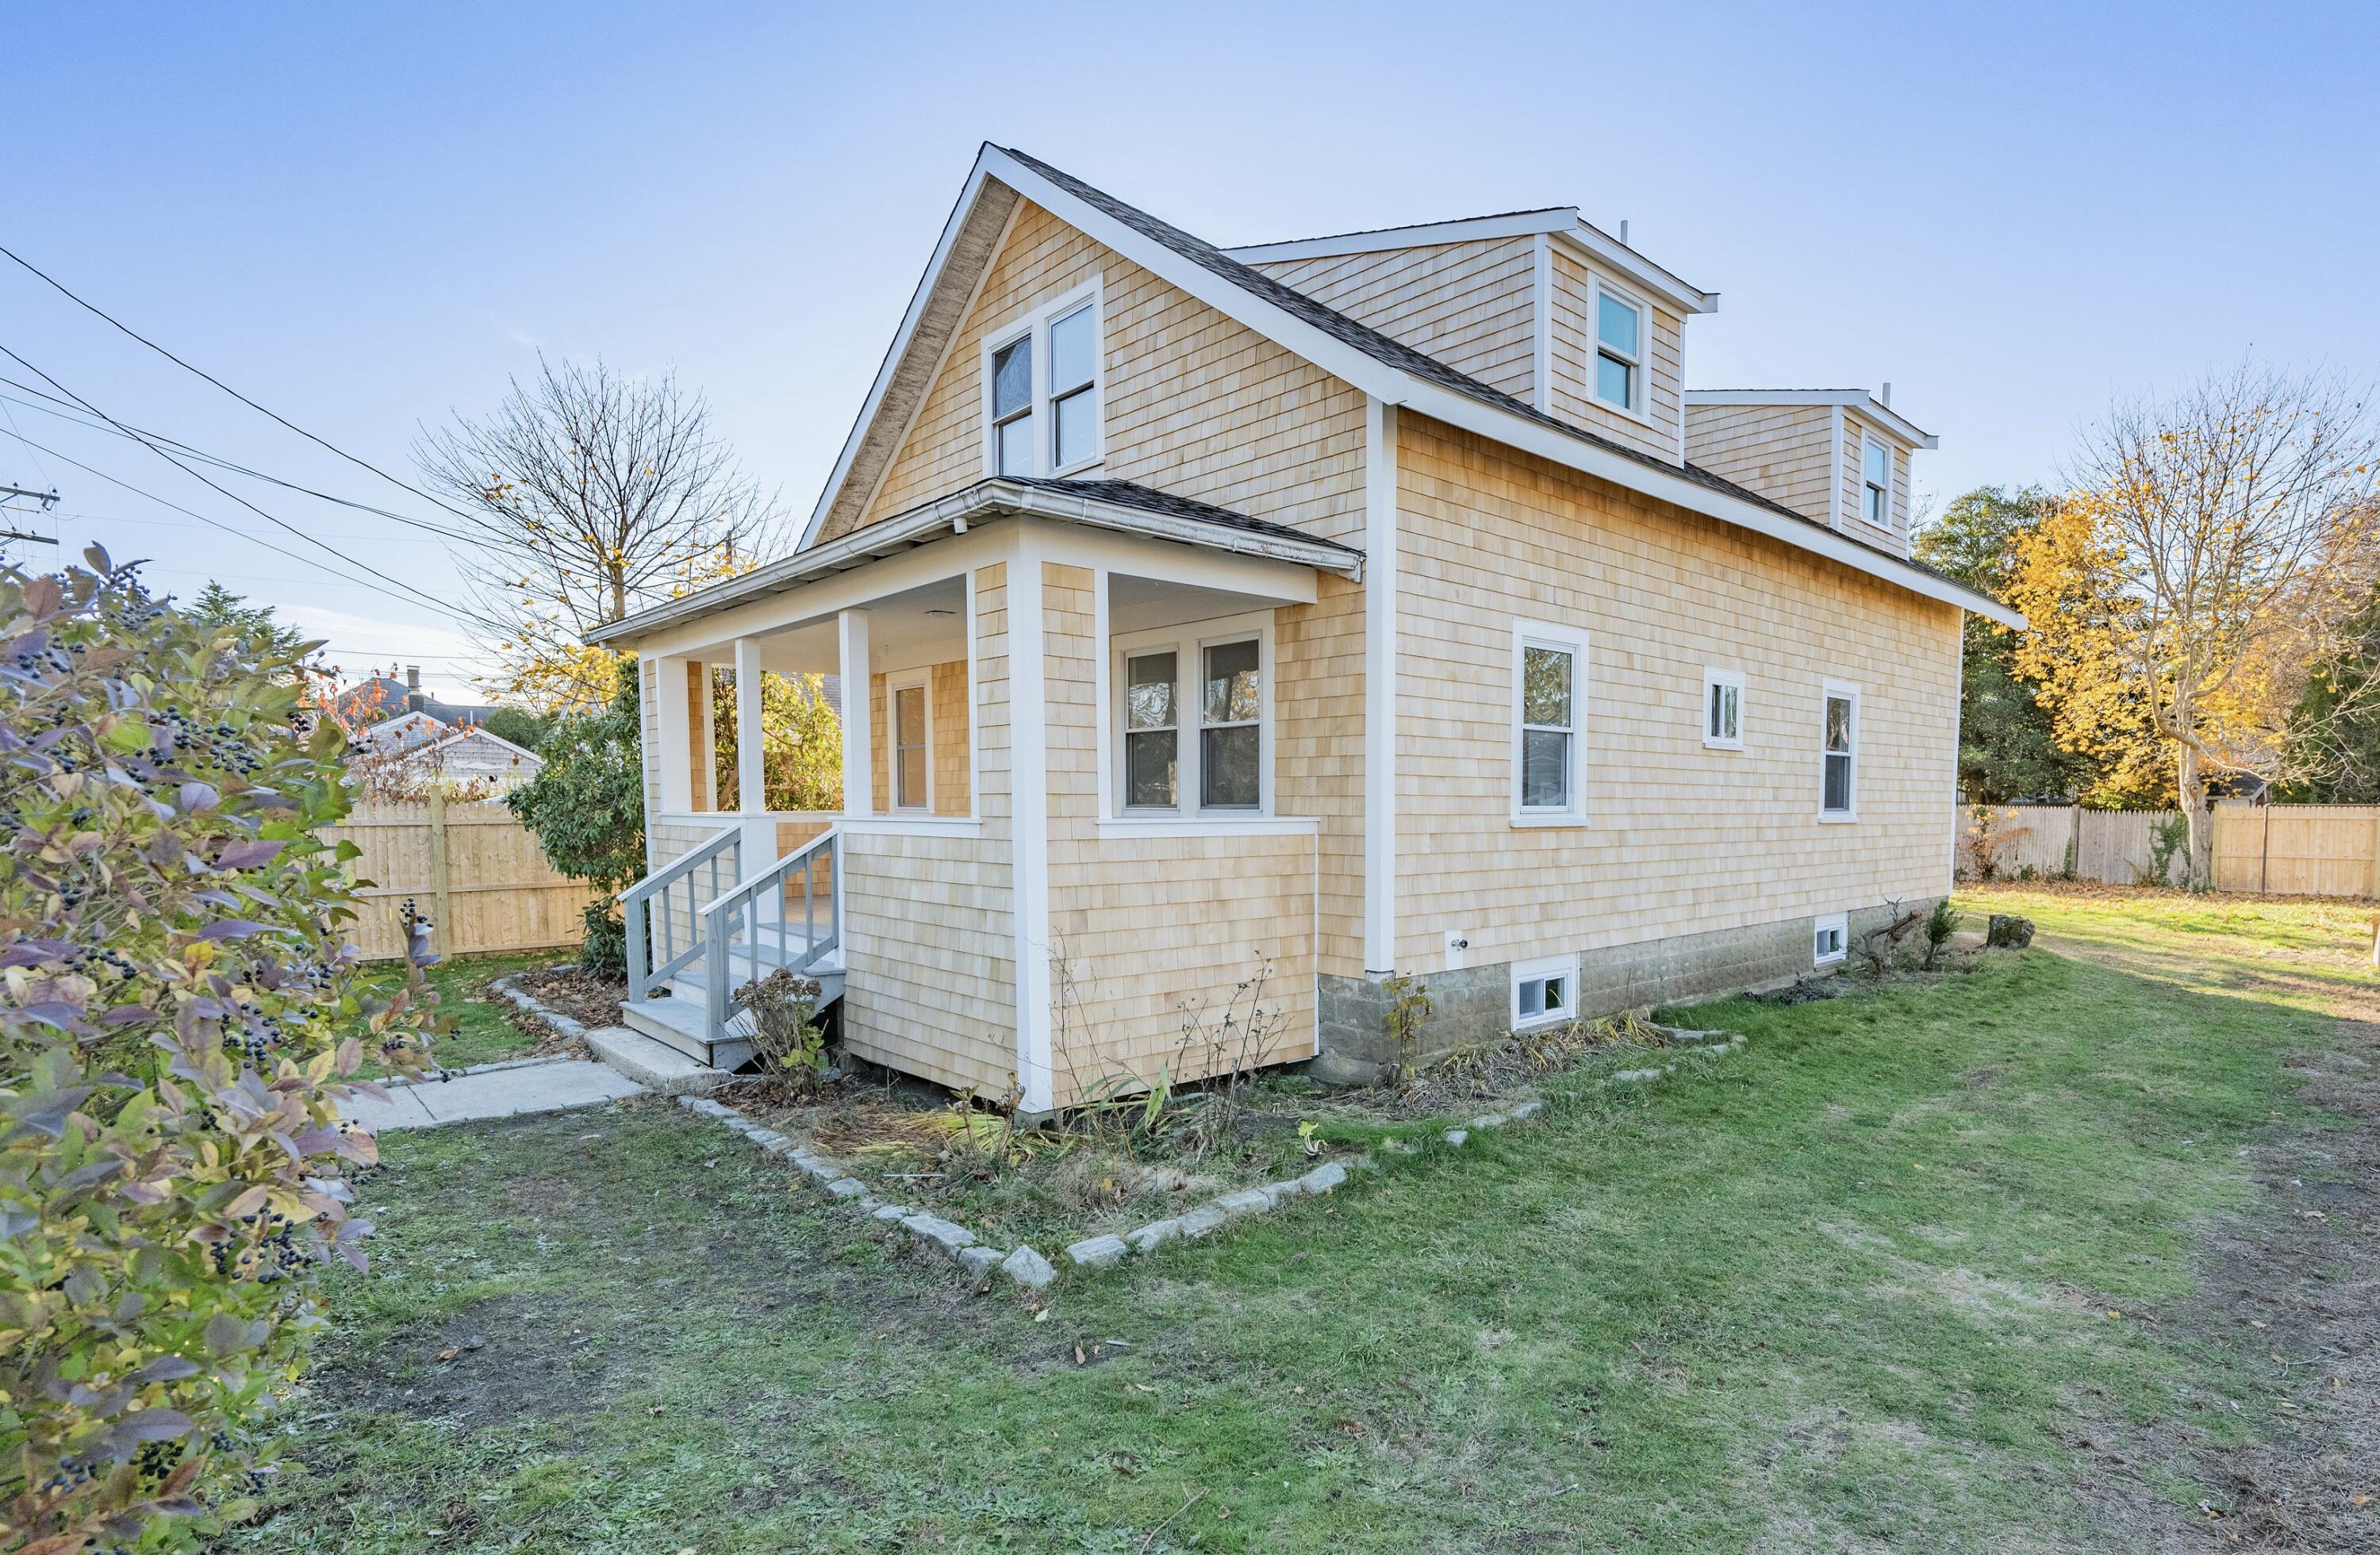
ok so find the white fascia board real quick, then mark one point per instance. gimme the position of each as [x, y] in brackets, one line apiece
[899, 348]
[954, 515]
[1563, 222]
[1886, 418]
[1469, 229]
[1617, 259]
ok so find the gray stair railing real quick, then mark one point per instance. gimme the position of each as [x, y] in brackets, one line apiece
[646, 907]
[741, 920]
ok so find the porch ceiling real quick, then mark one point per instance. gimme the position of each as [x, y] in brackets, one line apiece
[1114, 506]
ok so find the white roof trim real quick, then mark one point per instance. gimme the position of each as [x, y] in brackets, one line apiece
[1867, 404]
[1563, 222]
[899, 349]
[953, 515]
[1391, 386]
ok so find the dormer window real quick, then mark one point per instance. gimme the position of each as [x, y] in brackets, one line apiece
[1619, 351]
[1042, 390]
[1875, 487]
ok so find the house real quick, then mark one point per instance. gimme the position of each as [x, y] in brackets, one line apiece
[414, 749]
[378, 696]
[1268, 621]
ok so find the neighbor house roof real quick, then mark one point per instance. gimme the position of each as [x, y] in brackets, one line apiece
[1385, 369]
[1117, 505]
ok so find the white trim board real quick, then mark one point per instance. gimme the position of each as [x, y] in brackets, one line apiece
[1886, 419]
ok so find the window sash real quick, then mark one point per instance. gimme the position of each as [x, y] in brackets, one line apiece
[1231, 741]
[1840, 755]
[1152, 731]
[909, 749]
[1549, 740]
[1724, 715]
[1618, 349]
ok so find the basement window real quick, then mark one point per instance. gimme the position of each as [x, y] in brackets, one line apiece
[1830, 941]
[1544, 992]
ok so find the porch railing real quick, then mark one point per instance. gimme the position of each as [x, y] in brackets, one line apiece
[756, 920]
[716, 862]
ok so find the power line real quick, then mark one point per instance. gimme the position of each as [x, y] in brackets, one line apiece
[101, 313]
[403, 588]
[136, 434]
[302, 560]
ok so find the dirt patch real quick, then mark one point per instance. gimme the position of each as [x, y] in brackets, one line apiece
[584, 997]
[2289, 1287]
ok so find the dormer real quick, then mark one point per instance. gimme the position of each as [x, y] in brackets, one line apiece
[1539, 304]
[1839, 456]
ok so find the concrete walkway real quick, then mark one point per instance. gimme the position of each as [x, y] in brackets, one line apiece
[498, 1091]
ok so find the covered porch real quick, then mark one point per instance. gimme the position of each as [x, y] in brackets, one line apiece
[1057, 813]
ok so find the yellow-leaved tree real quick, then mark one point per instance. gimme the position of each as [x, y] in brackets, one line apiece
[2208, 553]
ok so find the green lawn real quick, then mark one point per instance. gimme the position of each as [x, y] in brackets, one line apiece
[1855, 1287]
[484, 1032]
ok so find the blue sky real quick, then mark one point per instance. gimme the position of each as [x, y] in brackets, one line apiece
[367, 217]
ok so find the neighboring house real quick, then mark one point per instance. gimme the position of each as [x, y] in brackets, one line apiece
[1361, 605]
[414, 749]
[383, 696]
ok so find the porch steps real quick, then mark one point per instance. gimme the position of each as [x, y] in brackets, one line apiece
[681, 1020]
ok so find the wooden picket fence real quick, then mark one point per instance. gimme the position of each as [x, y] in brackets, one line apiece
[2282, 850]
[471, 867]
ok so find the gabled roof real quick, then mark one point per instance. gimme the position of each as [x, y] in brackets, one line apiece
[1867, 404]
[1117, 505]
[1384, 369]
[1563, 222]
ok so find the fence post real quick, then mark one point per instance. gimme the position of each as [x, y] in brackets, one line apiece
[440, 893]
[2376, 874]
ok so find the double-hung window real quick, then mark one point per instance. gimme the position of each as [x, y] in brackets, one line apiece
[912, 752]
[1839, 777]
[1548, 723]
[1042, 390]
[1619, 351]
[1723, 710]
[1191, 719]
[1876, 483]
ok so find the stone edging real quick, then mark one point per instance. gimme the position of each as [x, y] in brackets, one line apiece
[1028, 1268]
[574, 1030]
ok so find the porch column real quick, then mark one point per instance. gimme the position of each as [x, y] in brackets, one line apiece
[859, 734]
[751, 762]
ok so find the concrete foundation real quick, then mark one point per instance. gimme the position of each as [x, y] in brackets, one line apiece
[1474, 1004]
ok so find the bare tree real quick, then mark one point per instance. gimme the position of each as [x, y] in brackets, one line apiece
[592, 494]
[2227, 536]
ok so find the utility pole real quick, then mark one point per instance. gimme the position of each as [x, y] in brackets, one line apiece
[48, 500]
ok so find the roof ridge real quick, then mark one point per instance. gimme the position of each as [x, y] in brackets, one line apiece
[1382, 349]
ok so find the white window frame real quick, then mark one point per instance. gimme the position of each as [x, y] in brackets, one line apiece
[1538, 970]
[1869, 440]
[1839, 926]
[1640, 369]
[1713, 679]
[918, 681]
[1833, 690]
[1572, 640]
[1035, 322]
[1189, 643]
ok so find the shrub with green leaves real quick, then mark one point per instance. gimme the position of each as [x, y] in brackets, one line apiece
[179, 1011]
[586, 806]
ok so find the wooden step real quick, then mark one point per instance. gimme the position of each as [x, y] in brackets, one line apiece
[684, 1023]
